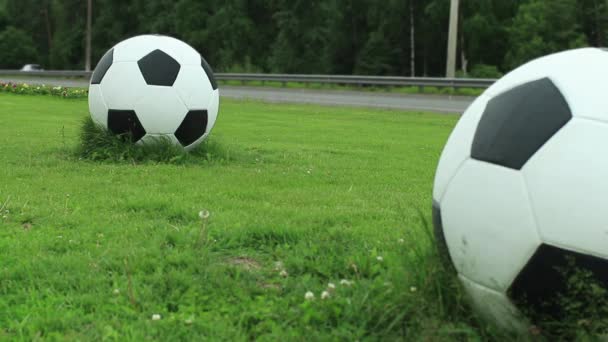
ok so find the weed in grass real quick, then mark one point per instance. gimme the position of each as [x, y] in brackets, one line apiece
[203, 237]
[579, 311]
[98, 144]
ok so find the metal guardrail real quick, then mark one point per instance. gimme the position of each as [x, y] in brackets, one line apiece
[394, 81]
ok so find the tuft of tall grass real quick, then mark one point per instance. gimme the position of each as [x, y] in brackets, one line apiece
[98, 144]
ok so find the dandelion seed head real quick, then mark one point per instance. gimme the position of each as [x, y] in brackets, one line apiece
[203, 214]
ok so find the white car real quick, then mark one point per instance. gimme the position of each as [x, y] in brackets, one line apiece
[32, 67]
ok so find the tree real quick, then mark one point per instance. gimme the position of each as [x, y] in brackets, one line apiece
[593, 16]
[16, 48]
[542, 27]
[301, 37]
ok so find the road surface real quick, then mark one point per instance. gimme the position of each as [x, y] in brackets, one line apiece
[432, 103]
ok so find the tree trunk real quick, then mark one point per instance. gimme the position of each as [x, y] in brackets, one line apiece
[412, 41]
[87, 53]
[49, 34]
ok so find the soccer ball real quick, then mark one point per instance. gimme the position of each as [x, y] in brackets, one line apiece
[153, 86]
[520, 189]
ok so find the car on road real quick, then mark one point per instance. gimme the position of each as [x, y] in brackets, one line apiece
[32, 67]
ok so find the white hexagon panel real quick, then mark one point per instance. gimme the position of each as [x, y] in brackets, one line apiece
[481, 236]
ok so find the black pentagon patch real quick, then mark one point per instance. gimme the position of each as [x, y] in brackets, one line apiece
[192, 128]
[442, 246]
[102, 67]
[554, 274]
[518, 122]
[126, 124]
[158, 68]
[209, 73]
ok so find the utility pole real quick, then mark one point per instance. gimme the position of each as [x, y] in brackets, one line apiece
[87, 53]
[452, 38]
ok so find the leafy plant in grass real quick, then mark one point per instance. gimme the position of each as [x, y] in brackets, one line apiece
[579, 311]
[98, 144]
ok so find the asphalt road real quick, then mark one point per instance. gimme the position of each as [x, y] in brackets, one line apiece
[432, 103]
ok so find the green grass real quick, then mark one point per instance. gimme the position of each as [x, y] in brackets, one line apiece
[299, 196]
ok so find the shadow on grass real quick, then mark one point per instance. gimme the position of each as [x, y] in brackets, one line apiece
[98, 144]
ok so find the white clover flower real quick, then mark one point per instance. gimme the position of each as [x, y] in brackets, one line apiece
[116, 291]
[278, 265]
[203, 214]
[309, 295]
[155, 317]
[189, 321]
[401, 240]
[346, 282]
[283, 274]
[413, 289]
[324, 295]
[379, 258]
[331, 286]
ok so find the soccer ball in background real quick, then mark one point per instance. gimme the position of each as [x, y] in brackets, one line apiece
[155, 86]
[521, 185]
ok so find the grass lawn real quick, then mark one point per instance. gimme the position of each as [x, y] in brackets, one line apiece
[301, 197]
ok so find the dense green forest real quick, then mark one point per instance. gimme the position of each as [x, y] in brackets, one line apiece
[379, 37]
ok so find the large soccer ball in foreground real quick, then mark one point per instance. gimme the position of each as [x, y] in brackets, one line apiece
[155, 86]
[522, 186]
